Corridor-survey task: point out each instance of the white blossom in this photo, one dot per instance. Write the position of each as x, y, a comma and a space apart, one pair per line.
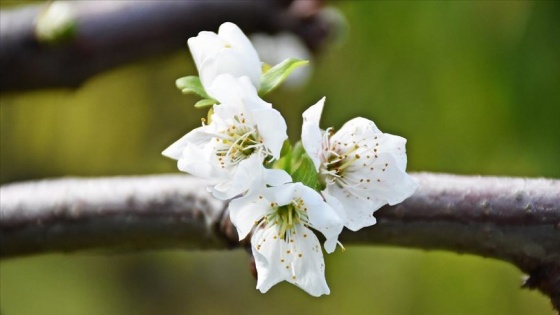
283, 244
361, 167
227, 52
244, 132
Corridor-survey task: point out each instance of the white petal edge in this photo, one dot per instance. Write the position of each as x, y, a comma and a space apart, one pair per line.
311, 134
321, 216
306, 272
245, 212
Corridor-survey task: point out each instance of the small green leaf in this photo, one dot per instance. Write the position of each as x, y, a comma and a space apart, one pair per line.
285, 160
297, 152
277, 74
298, 164
286, 148
191, 84
305, 173
205, 103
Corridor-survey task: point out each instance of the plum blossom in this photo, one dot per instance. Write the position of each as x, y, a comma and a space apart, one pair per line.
353, 171
243, 133
360, 167
227, 52
283, 244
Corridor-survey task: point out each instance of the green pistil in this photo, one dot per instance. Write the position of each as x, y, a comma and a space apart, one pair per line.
247, 145
238, 145
337, 164
287, 216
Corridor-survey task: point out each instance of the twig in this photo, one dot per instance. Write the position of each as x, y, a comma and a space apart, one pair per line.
112, 33
512, 219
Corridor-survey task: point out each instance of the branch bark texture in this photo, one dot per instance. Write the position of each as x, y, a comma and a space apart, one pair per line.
112, 33
511, 219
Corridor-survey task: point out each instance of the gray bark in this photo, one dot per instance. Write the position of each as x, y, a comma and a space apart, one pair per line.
511, 219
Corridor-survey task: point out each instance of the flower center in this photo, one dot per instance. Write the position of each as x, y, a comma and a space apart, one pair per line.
336, 158
351, 163
289, 220
238, 142
287, 217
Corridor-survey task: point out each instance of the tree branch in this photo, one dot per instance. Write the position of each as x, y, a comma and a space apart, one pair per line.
112, 33
511, 219
126, 213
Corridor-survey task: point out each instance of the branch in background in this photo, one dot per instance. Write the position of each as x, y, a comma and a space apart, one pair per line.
511, 219
112, 33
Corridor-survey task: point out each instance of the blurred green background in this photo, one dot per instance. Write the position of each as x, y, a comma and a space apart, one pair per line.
473, 86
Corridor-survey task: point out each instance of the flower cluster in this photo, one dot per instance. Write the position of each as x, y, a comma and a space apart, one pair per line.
282, 195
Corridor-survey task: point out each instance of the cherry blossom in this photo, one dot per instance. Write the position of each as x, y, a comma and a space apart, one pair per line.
244, 131
227, 52
283, 244
360, 167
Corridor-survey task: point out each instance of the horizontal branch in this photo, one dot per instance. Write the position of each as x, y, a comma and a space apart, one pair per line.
128, 213
511, 219
111, 33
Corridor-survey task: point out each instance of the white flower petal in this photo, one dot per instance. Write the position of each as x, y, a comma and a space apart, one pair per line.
335, 204
282, 195
359, 126
311, 134
208, 71
283, 244
359, 211
395, 146
272, 128
249, 175
233, 34
268, 258
228, 89
175, 151
203, 46
250, 178
310, 271
275, 177
198, 162
244, 132
300, 263
244, 213
228, 52
322, 217
243, 96
393, 185
362, 167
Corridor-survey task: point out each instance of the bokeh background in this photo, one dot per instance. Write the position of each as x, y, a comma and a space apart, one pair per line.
473, 86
